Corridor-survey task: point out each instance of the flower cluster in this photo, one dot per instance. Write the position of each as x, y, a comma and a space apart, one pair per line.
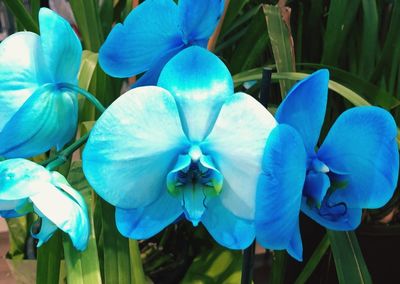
184, 144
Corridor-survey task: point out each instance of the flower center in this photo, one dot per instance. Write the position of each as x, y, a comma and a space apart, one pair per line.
318, 166
193, 180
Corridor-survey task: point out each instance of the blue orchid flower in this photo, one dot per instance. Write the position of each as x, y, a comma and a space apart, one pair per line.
187, 146
36, 113
355, 167
153, 33
28, 187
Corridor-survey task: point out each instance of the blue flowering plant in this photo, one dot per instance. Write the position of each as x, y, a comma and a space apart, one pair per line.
39, 111
148, 39
181, 146
28, 187
355, 167
175, 149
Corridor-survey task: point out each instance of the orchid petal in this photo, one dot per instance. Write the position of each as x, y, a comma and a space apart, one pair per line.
304, 108
146, 139
316, 186
62, 50
133, 47
48, 118
279, 191
19, 179
329, 216
200, 83
15, 208
227, 229
239, 157
295, 246
145, 222
10, 214
64, 213
46, 231
362, 143
198, 19
20, 56
150, 78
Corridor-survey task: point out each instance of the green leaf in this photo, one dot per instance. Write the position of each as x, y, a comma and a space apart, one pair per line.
372, 93
252, 45
120, 256
345, 92
35, 7
278, 269
236, 31
369, 44
341, 16
235, 7
82, 267
49, 260
137, 273
18, 229
392, 41
349, 261
314, 260
218, 265
107, 15
88, 67
23, 16
86, 14
282, 43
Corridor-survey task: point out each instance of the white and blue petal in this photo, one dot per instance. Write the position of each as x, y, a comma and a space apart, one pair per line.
198, 19
20, 178
236, 145
304, 108
200, 84
279, 191
61, 210
362, 144
48, 118
62, 50
145, 36
226, 228
133, 146
144, 222
21, 71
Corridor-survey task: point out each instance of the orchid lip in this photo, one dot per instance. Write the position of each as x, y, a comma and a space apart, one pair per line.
194, 179
319, 166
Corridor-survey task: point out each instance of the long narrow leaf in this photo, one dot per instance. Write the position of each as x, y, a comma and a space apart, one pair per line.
82, 267
86, 72
282, 43
23, 16
349, 261
49, 260
117, 268
252, 45
345, 92
314, 260
86, 13
341, 16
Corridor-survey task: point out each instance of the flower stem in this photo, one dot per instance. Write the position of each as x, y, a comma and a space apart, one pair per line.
248, 263
84, 93
63, 156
